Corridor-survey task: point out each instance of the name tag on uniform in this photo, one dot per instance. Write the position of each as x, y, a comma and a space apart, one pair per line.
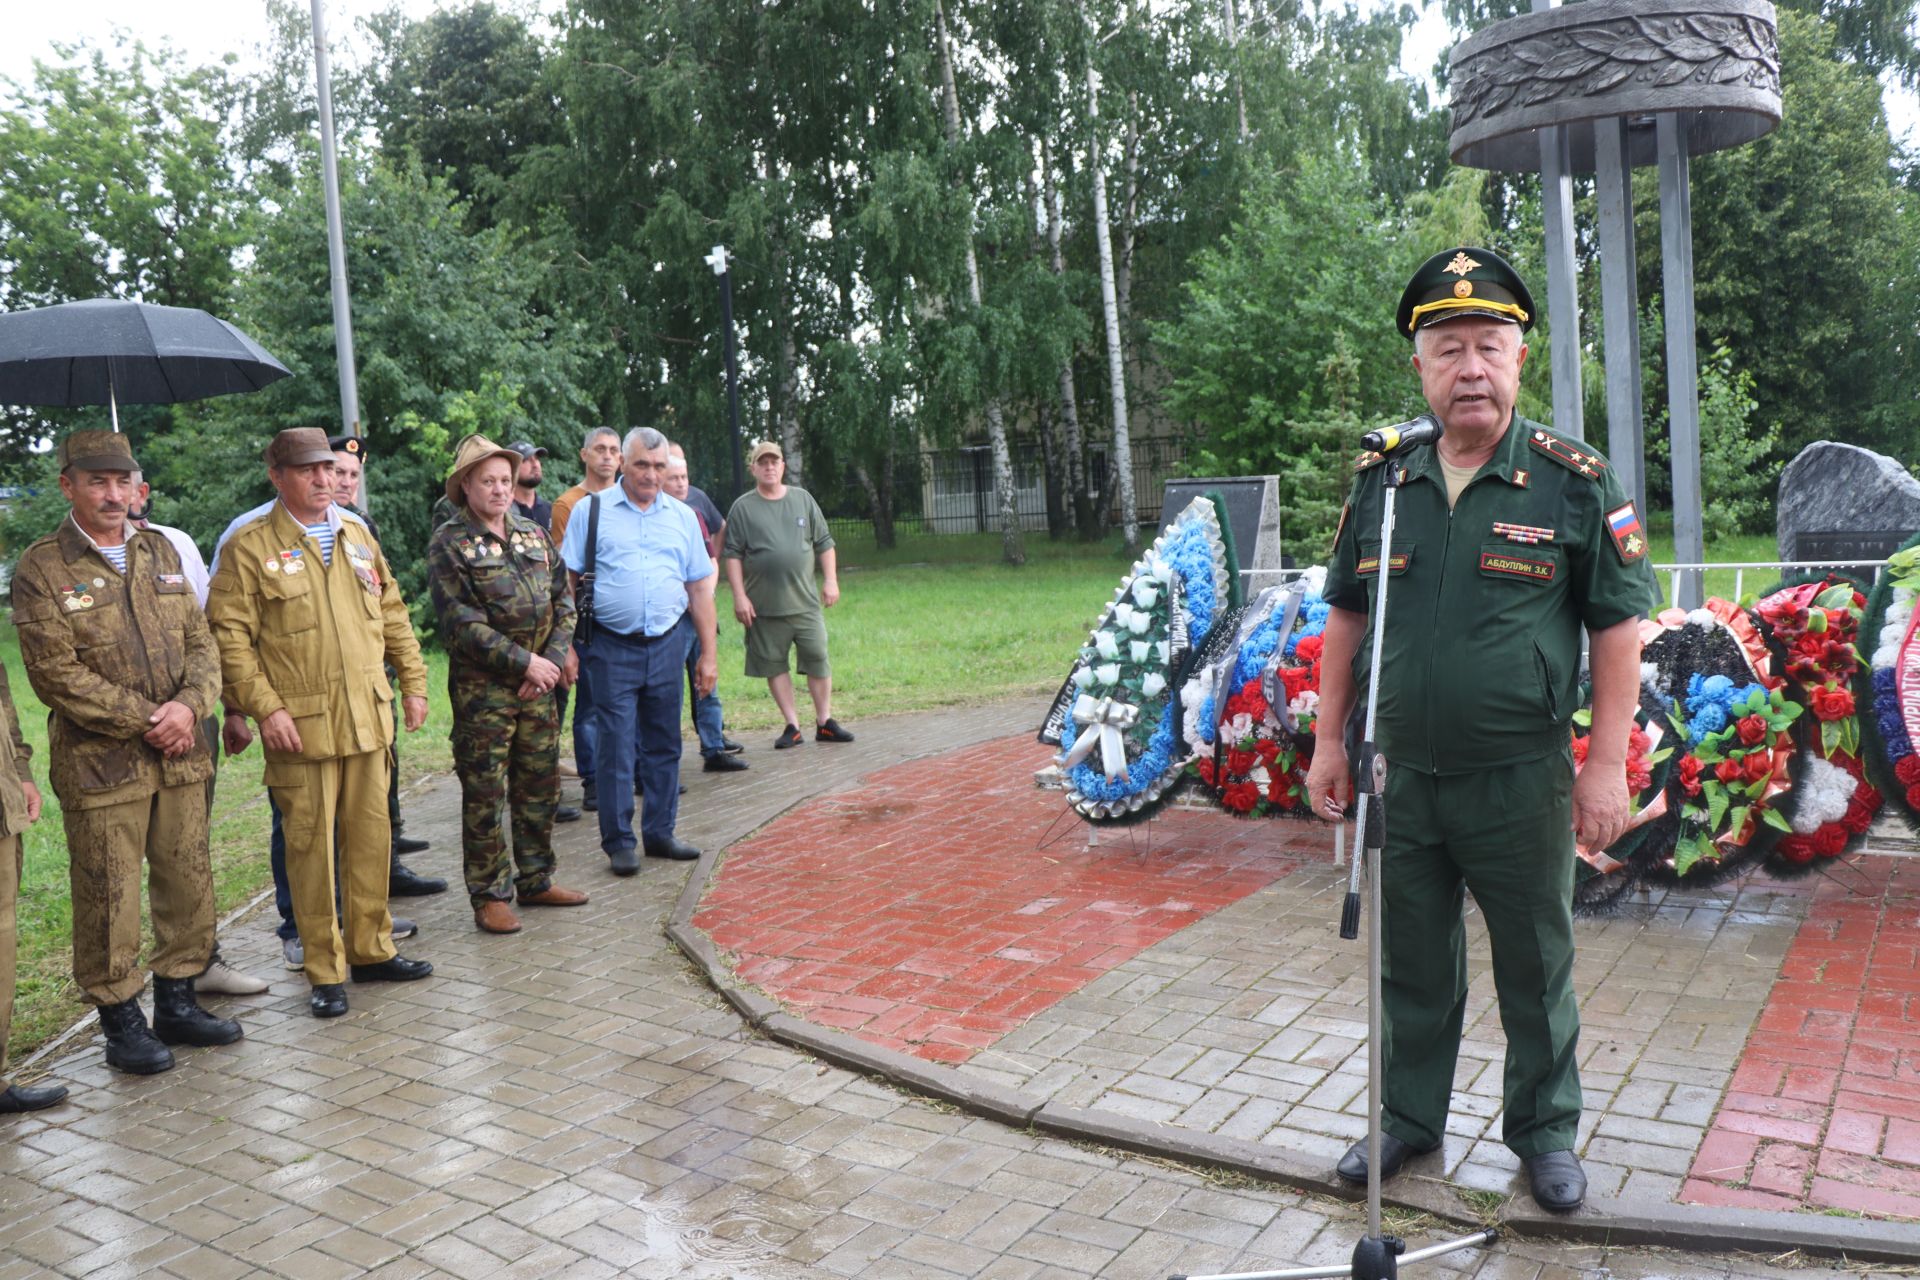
174, 579
1518, 566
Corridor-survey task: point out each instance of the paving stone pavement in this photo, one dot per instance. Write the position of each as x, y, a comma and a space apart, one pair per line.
574, 1101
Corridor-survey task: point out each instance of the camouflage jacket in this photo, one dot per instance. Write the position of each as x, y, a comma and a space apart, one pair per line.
499, 600
14, 755
104, 650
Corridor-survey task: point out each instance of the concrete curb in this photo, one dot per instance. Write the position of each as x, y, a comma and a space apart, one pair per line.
1602, 1220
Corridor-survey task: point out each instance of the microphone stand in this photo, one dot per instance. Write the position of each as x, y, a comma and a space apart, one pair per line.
1376, 1256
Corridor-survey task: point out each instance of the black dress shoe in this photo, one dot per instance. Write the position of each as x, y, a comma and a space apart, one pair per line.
329, 1000
723, 764
624, 862
1559, 1183
731, 747
671, 848
407, 844
22, 1097
589, 803
1393, 1154
398, 969
566, 813
403, 883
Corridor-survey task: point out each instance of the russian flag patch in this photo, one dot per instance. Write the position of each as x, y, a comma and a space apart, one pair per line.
1624, 524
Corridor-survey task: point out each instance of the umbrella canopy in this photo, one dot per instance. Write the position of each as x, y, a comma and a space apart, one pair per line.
108, 350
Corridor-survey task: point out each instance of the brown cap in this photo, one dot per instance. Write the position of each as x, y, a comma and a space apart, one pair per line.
298, 447
763, 449
97, 451
473, 451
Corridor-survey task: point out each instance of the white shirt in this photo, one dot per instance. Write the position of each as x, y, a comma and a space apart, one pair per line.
190, 562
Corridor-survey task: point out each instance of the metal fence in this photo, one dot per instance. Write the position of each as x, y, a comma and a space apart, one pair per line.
953, 492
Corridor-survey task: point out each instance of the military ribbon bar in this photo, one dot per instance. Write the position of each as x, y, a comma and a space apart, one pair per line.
1525, 533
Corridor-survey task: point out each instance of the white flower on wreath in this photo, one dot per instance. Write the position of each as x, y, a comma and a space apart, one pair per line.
1166, 650
1240, 726
1139, 622
1123, 615
1107, 644
1139, 649
1146, 591
1702, 618
1304, 705
1152, 684
1193, 697
1106, 674
1824, 790
1083, 675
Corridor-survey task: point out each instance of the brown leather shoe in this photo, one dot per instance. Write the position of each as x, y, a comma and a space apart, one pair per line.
495, 916
554, 896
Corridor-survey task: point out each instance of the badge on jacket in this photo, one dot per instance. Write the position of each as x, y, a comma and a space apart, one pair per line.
1624, 524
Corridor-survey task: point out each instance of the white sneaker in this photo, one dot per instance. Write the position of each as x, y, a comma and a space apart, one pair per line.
221, 979
294, 954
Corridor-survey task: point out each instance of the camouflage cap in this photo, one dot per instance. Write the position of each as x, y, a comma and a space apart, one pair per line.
473, 451
1464, 282
297, 447
97, 451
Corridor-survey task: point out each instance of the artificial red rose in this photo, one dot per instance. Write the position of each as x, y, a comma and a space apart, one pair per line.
1797, 850
1829, 840
1728, 771
1859, 815
1757, 767
1204, 767
1908, 769
1753, 730
1638, 779
1239, 763
1809, 647
1308, 650
1579, 751
1782, 740
1266, 749
1913, 796
1869, 795
1638, 741
1240, 797
1690, 775
1296, 680
1832, 703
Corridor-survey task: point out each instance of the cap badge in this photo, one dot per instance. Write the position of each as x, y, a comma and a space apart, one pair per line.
1461, 264
1463, 288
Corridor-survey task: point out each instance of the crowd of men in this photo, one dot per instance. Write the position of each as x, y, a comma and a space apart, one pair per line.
299, 634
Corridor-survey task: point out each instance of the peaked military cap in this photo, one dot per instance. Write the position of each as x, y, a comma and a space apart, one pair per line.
96, 451
1464, 282
348, 444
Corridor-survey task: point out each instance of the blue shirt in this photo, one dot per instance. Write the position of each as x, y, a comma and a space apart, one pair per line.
643, 560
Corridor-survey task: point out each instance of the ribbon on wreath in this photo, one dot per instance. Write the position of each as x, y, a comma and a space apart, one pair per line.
1103, 722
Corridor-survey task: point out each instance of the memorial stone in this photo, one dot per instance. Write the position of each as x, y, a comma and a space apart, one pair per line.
1844, 504
1252, 513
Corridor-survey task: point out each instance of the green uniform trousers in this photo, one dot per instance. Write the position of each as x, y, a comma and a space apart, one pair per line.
1506, 834
12, 854
105, 846
507, 754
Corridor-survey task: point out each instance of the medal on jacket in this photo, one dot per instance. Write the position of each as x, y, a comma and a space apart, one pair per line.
1522, 533
77, 597
292, 562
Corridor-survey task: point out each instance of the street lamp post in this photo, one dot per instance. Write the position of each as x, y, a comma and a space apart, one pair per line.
718, 261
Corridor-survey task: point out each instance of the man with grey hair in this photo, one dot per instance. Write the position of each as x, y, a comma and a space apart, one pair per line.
599, 468
652, 599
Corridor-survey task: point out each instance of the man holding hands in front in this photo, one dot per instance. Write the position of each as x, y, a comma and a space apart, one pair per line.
306, 612
1508, 540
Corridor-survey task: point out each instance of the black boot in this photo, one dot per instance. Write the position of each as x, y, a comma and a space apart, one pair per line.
407, 844
179, 1019
403, 883
130, 1046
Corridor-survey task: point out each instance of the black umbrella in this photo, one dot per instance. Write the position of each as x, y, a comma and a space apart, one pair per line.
109, 350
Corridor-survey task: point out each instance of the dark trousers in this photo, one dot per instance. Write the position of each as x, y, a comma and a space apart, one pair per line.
1506, 834
586, 727
636, 692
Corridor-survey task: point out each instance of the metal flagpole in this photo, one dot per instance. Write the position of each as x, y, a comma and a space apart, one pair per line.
336, 244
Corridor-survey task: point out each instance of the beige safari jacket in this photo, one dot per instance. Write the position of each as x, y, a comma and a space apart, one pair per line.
14, 755
310, 638
103, 650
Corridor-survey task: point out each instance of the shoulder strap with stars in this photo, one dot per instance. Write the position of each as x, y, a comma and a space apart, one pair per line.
1567, 453
1367, 460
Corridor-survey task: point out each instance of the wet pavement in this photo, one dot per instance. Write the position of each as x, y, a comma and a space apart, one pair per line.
575, 1100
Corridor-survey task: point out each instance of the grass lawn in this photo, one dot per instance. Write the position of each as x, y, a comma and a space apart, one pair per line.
937, 621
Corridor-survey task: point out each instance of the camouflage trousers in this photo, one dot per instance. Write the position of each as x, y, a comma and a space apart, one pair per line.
507, 755
12, 852
105, 847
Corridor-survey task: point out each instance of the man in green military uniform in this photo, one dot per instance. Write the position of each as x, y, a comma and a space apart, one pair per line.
115, 644
1508, 539
506, 619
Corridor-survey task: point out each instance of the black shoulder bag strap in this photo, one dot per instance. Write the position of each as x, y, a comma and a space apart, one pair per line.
583, 595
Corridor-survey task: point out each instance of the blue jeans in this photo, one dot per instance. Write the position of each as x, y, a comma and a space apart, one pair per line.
636, 688
706, 711
277, 859
586, 725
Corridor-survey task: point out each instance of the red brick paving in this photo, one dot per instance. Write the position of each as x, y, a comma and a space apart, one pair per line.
944, 902
1824, 1108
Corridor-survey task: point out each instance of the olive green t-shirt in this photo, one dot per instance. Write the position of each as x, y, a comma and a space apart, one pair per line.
776, 540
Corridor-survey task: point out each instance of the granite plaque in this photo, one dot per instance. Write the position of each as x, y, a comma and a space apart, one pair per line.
1844, 491
1252, 515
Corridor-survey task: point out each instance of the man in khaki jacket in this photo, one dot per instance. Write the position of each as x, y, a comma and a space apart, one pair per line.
19, 809
115, 645
305, 612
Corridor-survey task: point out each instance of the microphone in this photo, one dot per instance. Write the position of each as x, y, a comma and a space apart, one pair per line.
1424, 429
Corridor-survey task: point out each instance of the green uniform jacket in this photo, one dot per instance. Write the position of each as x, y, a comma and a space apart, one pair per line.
1480, 667
14, 769
499, 601
103, 650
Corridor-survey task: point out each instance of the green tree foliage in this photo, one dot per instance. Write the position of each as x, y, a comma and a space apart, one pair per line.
1737, 478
